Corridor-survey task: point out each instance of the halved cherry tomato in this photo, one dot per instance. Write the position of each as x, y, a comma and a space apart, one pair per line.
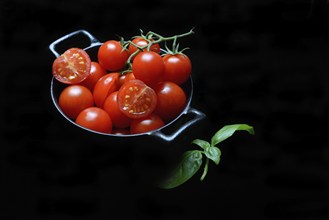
146, 124
141, 42
95, 119
178, 68
148, 66
136, 99
119, 120
73, 99
104, 87
171, 100
72, 67
112, 56
96, 72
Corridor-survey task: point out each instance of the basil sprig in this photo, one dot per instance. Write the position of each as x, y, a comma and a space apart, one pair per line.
192, 159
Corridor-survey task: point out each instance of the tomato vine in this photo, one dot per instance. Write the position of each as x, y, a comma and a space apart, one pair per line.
153, 38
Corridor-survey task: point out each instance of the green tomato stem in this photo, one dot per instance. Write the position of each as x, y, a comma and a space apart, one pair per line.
159, 38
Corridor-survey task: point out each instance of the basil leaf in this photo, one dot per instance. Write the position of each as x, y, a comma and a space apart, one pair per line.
213, 153
203, 144
228, 130
187, 167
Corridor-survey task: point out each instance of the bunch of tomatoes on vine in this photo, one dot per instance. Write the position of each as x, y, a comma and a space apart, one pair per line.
134, 86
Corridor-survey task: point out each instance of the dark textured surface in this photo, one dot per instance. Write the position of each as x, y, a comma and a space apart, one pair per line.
264, 63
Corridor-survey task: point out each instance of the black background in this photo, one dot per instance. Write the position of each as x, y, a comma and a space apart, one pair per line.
264, 63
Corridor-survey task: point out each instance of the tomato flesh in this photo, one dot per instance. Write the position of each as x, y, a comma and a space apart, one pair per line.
72, 67
136, 99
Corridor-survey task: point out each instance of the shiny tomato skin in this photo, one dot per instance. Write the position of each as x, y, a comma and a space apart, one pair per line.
141, 42
95, 119
72, 67
119, 120
104, 87
136, 99
178, 68
149, 123
73, 99
171, 100
148, 66
120, 131
112, 56
96, 72
126, 77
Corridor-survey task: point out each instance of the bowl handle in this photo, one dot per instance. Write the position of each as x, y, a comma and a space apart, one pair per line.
197, 116
93, 40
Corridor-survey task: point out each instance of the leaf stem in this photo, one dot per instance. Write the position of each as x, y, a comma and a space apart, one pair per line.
205, 170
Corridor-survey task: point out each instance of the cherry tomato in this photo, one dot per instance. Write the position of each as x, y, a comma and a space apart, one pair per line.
120, 131
95, 119
96, 72
72, 67
104, 87
126, 77
141, 42
119, 120
178, 68
148, 66
112, 56
73, 99
171, 100
136, 99
146, 124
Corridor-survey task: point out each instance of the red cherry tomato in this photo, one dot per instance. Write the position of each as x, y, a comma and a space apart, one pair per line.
136, 99
171, 100
72, 67
141, 42
112, 56
104, 87
96, 72
126, 77
120, 131
95, 119
148, 66
119, 120
146, 124
73, 99
178, 68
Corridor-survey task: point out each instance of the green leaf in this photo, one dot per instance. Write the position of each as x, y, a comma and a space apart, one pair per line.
187, 167
228, 130
213, 153
203, 144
